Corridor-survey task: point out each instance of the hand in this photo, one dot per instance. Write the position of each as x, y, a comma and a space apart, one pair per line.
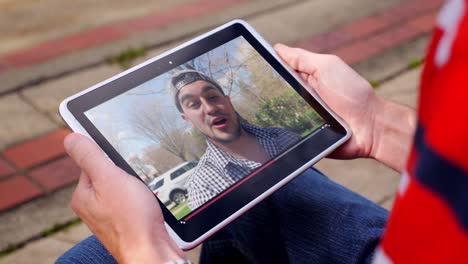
343, 90
381, 129
118, 208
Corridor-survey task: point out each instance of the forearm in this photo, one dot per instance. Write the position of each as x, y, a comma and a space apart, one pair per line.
394, 126
160, 251
152, 256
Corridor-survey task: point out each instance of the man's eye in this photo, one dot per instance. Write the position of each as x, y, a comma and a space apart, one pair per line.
193, 105
213, 97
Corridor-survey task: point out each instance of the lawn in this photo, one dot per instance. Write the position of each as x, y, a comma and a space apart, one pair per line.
181, 210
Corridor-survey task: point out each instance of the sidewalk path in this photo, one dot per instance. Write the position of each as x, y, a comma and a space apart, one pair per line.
380, 39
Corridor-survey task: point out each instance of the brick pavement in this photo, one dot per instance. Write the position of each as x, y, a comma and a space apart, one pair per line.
37, 167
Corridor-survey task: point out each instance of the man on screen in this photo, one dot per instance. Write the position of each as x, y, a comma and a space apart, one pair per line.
235, 148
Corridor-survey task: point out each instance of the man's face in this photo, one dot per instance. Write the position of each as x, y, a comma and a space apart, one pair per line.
207, 109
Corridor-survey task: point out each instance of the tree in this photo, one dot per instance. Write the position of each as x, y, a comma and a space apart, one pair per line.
288, 111
152, 122
145, 171
160, 158
257, 82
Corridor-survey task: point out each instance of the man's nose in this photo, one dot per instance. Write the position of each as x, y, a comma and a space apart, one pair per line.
209, 107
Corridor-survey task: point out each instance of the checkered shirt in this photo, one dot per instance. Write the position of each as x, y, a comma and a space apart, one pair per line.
217, 170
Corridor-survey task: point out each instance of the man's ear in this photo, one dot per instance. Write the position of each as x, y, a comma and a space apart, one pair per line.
186, 119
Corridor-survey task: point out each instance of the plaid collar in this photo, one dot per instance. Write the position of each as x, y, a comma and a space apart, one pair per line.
266, 138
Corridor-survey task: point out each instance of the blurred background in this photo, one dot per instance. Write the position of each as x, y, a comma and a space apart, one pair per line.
52, 49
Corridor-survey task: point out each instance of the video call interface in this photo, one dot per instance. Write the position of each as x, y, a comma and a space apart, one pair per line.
186, 156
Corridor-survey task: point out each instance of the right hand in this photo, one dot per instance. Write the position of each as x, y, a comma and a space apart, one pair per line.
344, 91
118, 208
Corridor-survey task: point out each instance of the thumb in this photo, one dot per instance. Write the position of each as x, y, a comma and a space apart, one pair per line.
89, 157
299, 59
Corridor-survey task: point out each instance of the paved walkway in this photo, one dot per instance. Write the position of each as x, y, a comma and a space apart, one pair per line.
383, 40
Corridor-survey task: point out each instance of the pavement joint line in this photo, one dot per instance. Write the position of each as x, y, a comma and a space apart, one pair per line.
38, 110
17, 172
385, 198
149, 48
374, 34
24, 173
41, 164
11, 248
45, 192
14, 152
395, 74
33, 182
8, 177
52, 77
11, 164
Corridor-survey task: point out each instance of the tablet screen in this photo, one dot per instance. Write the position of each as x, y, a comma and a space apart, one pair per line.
184, 132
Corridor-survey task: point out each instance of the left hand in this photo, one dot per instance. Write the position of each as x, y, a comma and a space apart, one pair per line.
382, 130
118, 208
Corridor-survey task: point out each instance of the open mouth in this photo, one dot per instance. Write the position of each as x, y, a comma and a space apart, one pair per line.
219, 122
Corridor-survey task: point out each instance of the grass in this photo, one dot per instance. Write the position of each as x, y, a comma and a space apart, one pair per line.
412, 64
8, 250
186, 210
181, 209
177, 207
415, 63
375, 84
125, 58
60, 227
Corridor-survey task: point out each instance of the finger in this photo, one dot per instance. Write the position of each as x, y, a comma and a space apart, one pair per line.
304, 76
89, 157
299, 59
82, 195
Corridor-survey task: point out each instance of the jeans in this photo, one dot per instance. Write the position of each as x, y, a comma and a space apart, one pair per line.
310, 220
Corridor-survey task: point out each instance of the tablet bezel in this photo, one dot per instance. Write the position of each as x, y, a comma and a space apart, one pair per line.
237, 200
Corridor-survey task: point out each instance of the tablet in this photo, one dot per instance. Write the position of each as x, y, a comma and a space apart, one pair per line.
212, 127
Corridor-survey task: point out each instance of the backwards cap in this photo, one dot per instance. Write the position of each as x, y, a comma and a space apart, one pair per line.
186, 77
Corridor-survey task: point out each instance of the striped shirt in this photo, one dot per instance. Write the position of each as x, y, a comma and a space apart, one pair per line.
218, 170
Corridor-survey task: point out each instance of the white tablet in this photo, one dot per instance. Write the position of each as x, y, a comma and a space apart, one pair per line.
212, 127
